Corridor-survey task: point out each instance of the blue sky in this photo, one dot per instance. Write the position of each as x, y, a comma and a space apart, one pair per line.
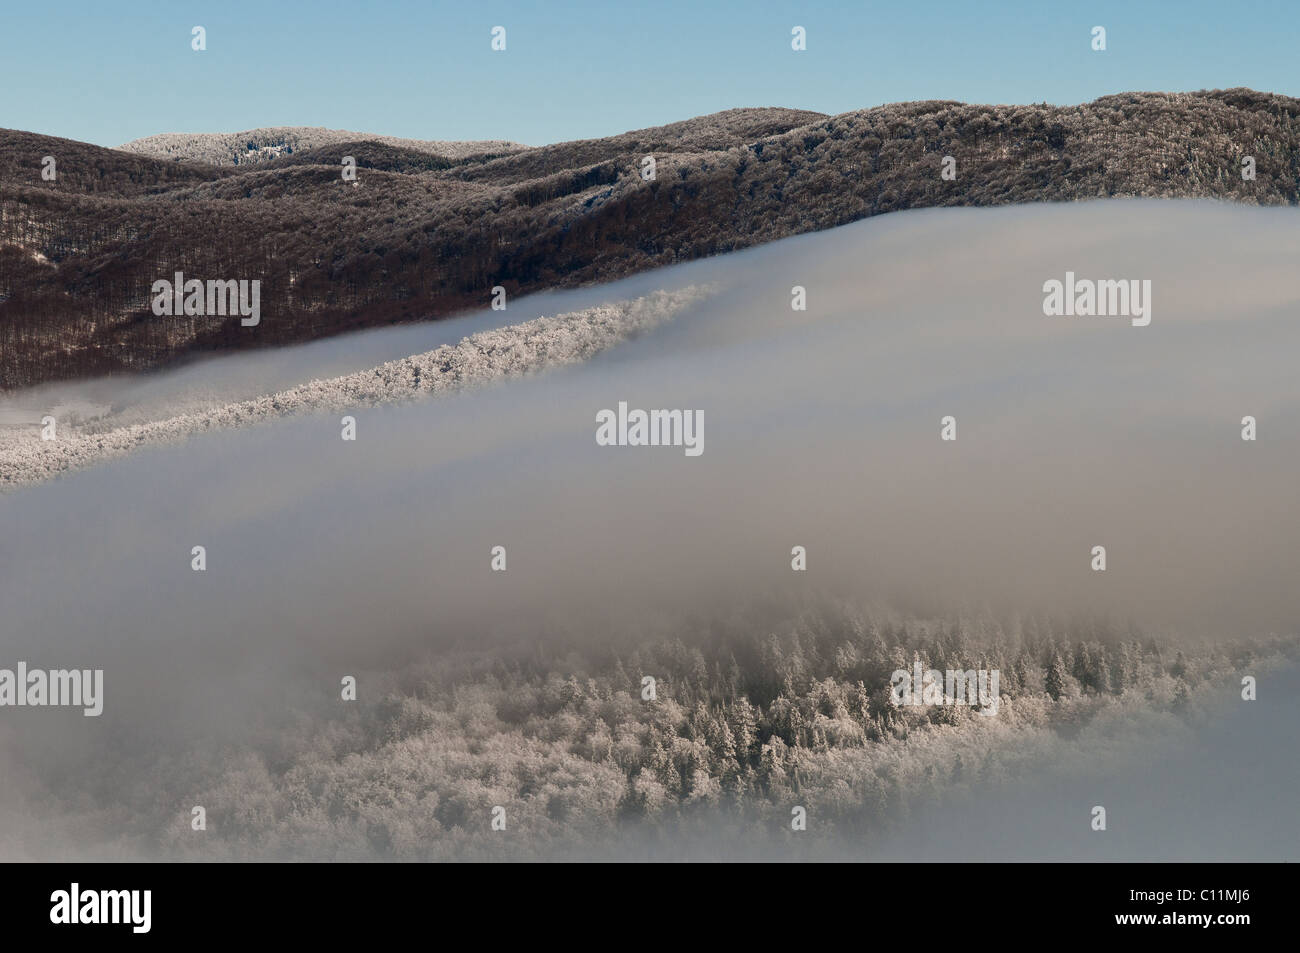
109, 71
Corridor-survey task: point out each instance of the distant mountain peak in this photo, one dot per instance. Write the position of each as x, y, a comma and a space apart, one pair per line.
256, 146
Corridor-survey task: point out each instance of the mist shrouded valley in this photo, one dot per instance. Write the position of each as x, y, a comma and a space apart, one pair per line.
820, 429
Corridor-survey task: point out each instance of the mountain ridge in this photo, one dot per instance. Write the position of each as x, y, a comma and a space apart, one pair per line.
264, 144
420, 235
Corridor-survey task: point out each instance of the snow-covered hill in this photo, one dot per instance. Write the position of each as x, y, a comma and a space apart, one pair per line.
254, 146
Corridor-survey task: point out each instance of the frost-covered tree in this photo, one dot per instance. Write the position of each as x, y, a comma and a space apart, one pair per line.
1056, 682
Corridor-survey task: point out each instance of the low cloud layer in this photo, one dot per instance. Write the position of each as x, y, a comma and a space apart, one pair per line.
823, 431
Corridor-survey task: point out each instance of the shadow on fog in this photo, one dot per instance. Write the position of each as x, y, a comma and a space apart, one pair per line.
821, 429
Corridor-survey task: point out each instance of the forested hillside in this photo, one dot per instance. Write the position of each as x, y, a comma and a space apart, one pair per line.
421, 235
743, 725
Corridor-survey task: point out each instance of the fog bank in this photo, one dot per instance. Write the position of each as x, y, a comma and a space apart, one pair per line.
821, 429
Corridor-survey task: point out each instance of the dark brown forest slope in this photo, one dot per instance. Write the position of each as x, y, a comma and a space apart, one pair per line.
424, 235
